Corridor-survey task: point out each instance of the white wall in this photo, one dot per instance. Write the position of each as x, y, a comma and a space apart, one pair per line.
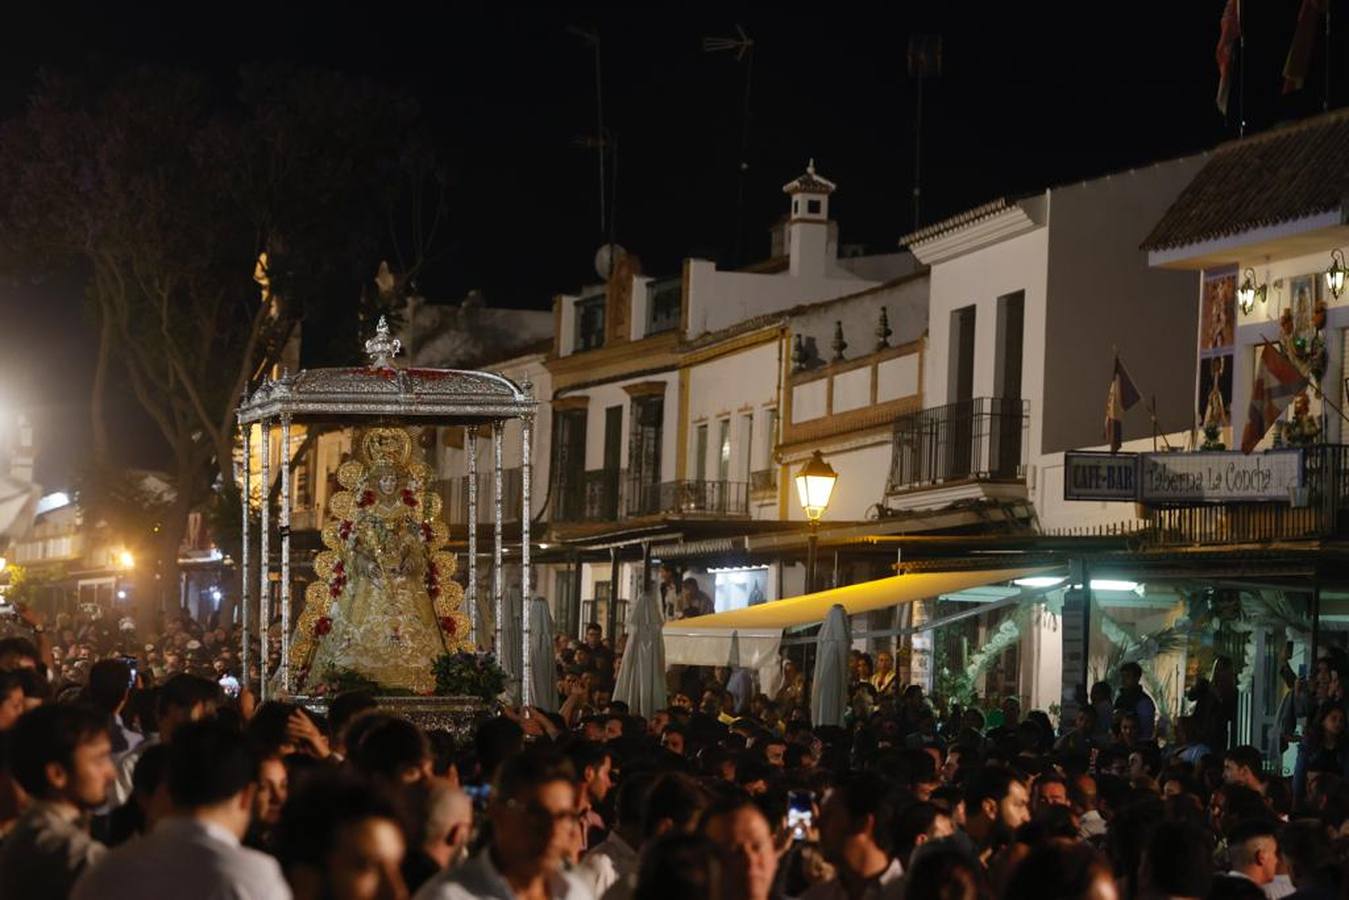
862, 472
603, 396
733, 386
451, 462
979, 279
718, 299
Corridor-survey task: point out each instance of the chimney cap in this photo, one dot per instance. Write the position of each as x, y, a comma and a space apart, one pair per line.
809, 183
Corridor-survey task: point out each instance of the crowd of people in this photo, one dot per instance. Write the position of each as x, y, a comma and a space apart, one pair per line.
160, 781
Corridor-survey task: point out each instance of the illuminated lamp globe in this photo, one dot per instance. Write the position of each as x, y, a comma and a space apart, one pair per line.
126, 560
1336, 273
814, 485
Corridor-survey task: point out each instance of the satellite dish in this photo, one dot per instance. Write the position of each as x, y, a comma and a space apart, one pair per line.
607, 258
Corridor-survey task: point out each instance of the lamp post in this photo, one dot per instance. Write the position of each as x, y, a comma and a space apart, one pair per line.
814, 485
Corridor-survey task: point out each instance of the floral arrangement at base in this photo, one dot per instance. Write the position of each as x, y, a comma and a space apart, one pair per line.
339, 681
468, 674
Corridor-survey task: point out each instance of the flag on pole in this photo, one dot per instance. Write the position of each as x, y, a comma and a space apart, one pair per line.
1277, 382
1228, 34
1121, 397
1310, 17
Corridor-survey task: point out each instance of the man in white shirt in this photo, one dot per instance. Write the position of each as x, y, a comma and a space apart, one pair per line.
615, 858
856, 834
212, 781
1254, 850
534, 822
182, 699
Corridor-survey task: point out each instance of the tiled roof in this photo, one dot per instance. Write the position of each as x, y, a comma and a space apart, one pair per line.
954, 223
1264, 180
809, 183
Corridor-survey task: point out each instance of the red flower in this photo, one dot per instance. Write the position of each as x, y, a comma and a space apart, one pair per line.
433, 592
447, 624
335, 590
427, 533
408, 499
367, 499
323, 626
344, 530
340, 569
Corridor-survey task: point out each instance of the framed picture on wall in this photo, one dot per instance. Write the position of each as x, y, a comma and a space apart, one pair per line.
1215, 389
1303, 292
1218, 313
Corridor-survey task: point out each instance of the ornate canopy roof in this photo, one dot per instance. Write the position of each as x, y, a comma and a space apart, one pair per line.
382, 391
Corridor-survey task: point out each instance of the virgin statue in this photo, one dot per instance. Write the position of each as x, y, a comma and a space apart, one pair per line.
384, 606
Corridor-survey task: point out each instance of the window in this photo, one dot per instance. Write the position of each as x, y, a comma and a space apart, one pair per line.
813, 207
796, 207
568, 469
590, 323
662, 305
770, 437
644, 439
961, 385
1011, 332
724, 450
746, 445
700, 454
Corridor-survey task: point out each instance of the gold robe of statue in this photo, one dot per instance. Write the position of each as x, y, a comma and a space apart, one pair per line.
385, 605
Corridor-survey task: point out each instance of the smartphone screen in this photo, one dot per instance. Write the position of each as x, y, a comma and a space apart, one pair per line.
800, 813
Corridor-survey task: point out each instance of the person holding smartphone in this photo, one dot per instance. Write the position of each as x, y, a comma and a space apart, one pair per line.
857, 837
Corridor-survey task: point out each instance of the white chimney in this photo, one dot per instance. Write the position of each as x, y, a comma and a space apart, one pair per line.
808, 245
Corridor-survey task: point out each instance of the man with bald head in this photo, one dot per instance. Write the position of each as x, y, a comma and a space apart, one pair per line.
443, 815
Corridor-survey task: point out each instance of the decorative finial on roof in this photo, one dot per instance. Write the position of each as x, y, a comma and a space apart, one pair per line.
809, 182
383, 346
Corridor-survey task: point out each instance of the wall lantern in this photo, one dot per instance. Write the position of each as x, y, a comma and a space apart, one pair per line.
1335, 274
1250, 291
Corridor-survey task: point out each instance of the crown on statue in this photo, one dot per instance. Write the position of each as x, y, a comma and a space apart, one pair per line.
387, 447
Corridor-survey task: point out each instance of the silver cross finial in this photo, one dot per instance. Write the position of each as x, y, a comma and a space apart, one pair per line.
383, 346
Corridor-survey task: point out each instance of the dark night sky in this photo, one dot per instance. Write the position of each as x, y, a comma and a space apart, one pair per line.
1029, 98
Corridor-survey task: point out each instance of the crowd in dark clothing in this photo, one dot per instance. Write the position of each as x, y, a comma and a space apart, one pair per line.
136, 785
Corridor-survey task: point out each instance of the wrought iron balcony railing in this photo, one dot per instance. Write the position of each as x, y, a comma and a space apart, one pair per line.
1322, 510
984, 438
714, 498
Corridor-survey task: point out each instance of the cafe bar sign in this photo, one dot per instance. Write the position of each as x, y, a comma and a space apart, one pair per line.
1275, 476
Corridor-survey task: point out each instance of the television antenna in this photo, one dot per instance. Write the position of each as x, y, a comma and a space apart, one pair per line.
742, 45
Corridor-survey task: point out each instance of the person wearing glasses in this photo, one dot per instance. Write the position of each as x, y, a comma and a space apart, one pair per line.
534, 822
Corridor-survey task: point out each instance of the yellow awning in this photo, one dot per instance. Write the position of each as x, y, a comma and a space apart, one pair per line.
856, 598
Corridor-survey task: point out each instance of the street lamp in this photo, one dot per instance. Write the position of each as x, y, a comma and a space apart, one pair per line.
126, 561
814, 485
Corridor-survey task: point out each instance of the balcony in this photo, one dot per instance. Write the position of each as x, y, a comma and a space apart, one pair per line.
454, 495
983, 439
1324, 514
690, 498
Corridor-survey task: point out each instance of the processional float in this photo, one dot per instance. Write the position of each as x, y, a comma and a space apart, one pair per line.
385, 572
